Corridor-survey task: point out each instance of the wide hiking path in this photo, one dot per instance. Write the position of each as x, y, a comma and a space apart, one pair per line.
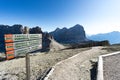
78, 67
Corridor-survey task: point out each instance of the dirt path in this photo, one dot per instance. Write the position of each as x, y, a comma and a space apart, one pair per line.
15, 69
78, 67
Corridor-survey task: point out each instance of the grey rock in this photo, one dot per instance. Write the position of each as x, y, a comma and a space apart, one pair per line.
94, 60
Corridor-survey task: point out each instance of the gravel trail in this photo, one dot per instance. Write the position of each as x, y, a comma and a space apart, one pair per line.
77, 67
39, 62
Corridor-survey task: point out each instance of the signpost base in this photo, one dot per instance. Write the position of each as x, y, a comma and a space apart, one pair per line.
27, 66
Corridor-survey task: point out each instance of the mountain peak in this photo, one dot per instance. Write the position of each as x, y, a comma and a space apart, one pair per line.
57, 29
78, 25
64, 28
75, 34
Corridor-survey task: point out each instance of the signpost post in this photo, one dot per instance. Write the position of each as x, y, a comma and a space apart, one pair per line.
27, 66
27, 58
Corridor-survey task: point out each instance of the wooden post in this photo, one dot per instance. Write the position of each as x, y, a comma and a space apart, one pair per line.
27, 66
26, 31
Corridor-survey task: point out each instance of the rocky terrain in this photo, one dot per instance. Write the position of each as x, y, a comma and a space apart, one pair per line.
39, 62
81, 66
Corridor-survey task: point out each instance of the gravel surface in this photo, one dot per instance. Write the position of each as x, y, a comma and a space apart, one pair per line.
111, 67
39, 62
79, 67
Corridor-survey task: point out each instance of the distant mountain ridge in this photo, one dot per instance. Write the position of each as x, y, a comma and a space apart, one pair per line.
113, 37
75, 34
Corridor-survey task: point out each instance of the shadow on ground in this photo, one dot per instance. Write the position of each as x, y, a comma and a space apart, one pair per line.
93, 72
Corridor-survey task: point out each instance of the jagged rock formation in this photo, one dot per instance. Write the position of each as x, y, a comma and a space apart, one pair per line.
75, 34
35, 30
46, 42
49, 44
5, 29
76, 37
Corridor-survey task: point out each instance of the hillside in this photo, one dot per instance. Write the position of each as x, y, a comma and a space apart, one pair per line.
113, 37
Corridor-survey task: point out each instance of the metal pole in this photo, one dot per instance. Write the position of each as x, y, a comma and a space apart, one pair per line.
27, 66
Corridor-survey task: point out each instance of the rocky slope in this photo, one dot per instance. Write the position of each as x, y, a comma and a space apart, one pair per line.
39, 62
49, 44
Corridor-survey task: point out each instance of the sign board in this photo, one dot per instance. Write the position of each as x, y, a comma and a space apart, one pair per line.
20, 44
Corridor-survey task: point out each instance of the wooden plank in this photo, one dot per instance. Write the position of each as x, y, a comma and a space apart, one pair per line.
9, 46
8, 38
24, 44
35, 36
23, 51
35, 42
10, 55
15, 37
17, 45
21, 37
34, 48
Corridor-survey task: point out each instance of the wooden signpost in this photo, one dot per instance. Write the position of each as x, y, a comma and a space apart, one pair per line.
21, 45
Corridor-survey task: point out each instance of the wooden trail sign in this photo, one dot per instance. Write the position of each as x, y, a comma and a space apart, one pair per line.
20, 44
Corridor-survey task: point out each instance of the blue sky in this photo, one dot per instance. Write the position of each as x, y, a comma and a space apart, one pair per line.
97, 16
